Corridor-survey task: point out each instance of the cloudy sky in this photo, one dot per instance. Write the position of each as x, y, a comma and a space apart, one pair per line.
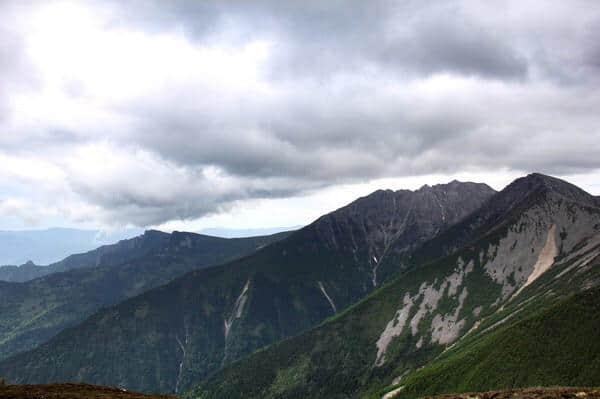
189, 114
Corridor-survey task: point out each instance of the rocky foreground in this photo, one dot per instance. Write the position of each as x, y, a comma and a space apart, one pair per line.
70, 391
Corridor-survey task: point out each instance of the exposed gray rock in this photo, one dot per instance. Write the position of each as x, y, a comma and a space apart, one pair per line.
445, 329
393, 329
390, 222
541, 233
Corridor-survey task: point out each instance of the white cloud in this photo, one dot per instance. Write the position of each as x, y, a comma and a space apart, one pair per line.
190, 114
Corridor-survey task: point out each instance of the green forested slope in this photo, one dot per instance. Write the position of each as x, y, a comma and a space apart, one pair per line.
558, 346
170, 337
34, 311
480, 288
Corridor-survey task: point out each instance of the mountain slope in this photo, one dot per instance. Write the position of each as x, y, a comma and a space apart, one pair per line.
395, 224
559, 346
175, 335
34, 311
539, 240
529, 393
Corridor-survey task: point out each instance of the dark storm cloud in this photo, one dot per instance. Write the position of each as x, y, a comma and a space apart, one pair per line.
349, 91
316, 38
591, 47
445, 41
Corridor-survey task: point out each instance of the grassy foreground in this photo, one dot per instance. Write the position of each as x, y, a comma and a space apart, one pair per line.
558, 347
529, 393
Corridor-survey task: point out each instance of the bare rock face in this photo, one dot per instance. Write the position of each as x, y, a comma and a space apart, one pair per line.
390, 223
535, 223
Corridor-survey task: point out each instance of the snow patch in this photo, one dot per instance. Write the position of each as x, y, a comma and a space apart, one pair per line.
374, 279
238, 308
322, 288
183, 354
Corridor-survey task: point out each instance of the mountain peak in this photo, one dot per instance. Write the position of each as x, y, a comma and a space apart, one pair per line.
392, 223
546, 179
455, 185
550, 185
152, 232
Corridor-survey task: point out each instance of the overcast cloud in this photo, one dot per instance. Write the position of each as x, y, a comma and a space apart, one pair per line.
151, 112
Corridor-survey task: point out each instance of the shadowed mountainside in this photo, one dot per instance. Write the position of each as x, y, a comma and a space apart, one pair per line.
171, 337
113, 254
533, 244
34, 311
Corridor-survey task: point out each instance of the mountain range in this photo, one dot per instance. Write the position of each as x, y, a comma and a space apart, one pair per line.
211, 317
449, 288
34, 311
527, 249
110, 254
50, 245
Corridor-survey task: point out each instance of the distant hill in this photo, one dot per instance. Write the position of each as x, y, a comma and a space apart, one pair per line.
43, 247
110, 254
34, 311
